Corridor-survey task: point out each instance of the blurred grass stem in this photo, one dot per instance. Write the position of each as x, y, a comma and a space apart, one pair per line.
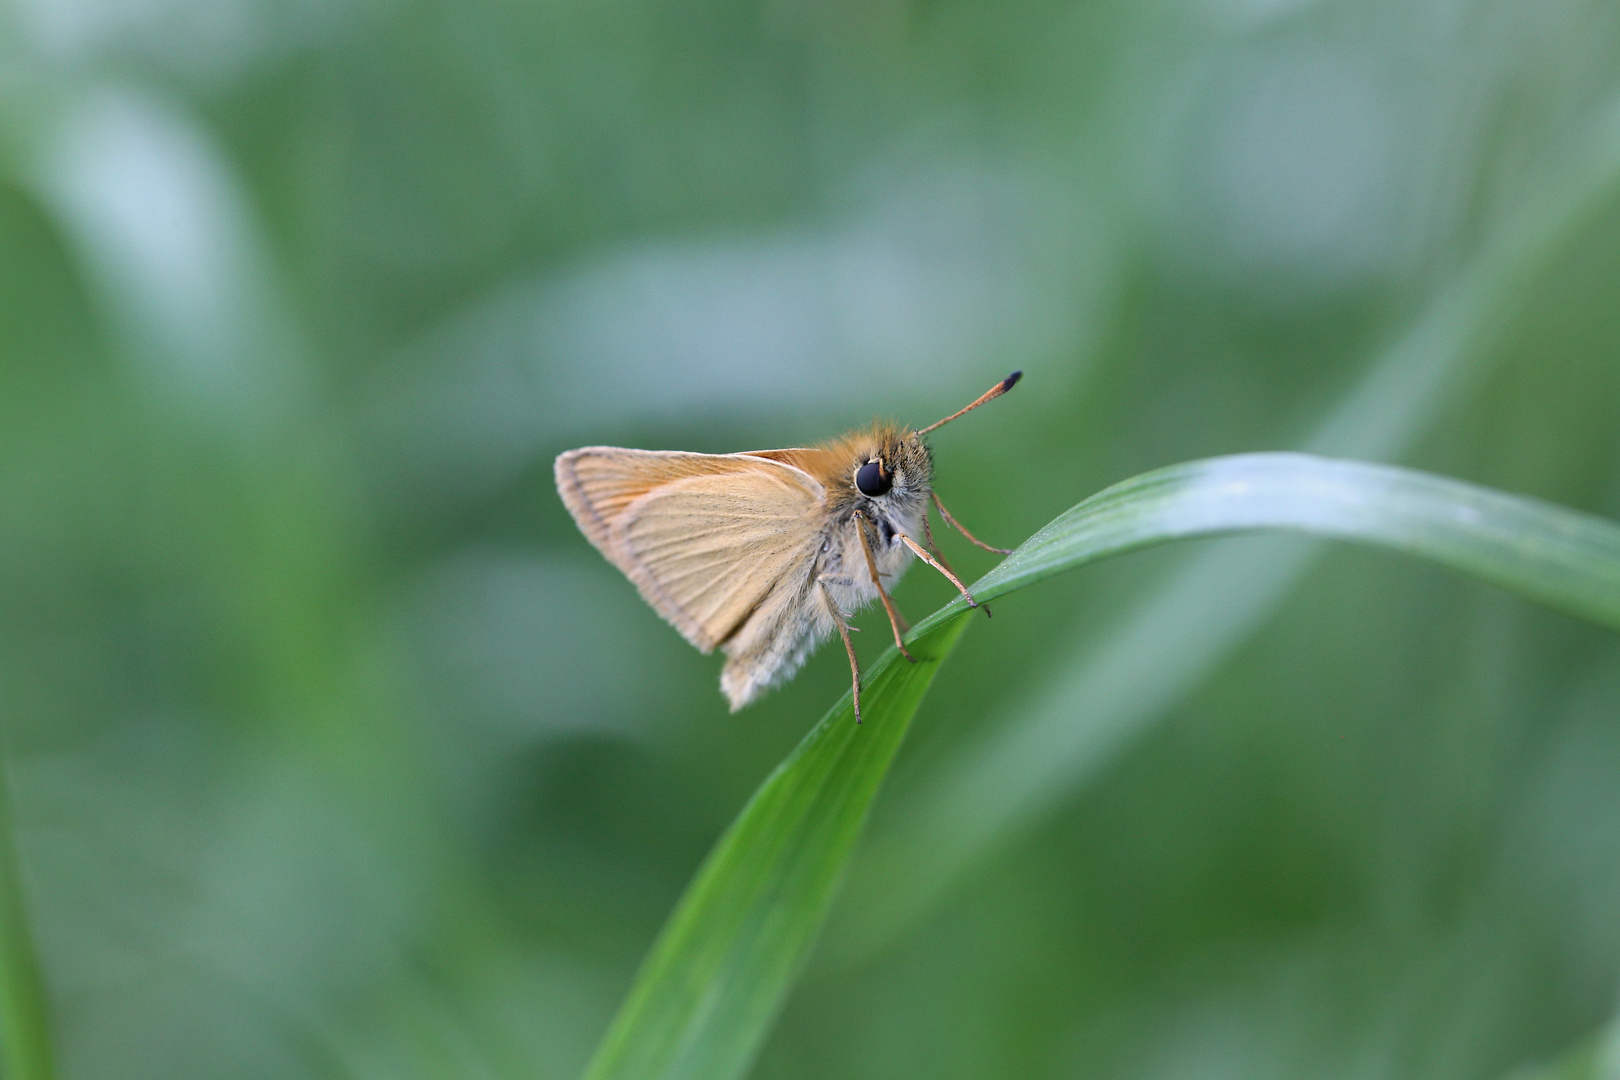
25, 1044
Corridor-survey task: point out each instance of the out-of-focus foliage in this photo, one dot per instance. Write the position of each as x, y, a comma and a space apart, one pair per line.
336, 752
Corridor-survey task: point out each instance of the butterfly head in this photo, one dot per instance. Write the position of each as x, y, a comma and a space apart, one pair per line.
887, 465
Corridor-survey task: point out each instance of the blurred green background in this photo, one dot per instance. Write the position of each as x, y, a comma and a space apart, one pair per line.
337, 752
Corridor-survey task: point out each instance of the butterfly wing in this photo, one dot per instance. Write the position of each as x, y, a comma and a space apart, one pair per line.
705, 537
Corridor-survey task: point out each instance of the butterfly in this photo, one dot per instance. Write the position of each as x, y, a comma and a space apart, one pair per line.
766, 554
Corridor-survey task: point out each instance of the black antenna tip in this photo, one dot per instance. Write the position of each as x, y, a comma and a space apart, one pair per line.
1011, 381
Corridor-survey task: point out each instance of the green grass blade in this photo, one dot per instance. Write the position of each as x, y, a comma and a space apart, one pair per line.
1563, 558
709, 990
25, 1045
707, 994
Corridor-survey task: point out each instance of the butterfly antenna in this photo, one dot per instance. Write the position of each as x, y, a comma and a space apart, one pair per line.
989, 395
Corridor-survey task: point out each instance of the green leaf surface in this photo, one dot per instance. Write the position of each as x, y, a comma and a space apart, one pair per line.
708, 992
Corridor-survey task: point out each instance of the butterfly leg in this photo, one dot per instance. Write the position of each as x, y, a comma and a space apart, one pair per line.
946, 514
888, 605
928, 541
843, 632
931, 561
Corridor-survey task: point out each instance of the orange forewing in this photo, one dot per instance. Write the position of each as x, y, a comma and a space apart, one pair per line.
705, 537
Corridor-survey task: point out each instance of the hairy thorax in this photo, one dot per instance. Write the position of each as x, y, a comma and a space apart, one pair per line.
908, 471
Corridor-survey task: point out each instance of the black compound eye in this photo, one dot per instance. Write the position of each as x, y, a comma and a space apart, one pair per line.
872, 479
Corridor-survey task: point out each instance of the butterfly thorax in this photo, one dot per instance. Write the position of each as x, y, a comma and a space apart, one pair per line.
904, 471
